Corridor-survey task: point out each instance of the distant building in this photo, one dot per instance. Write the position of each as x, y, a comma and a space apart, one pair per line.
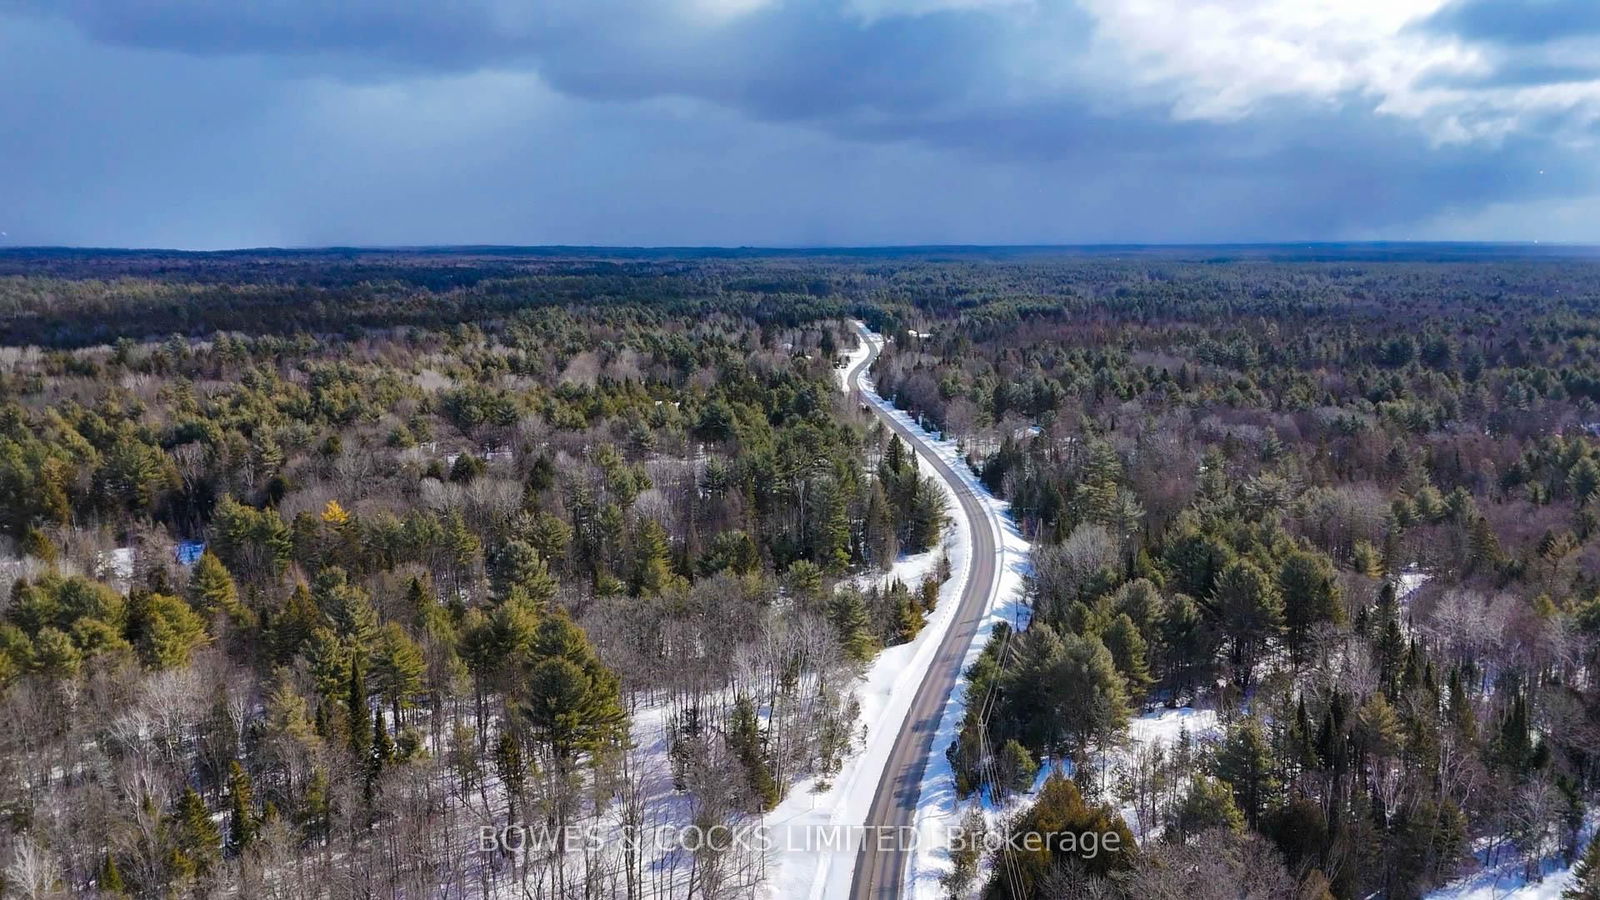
189, 552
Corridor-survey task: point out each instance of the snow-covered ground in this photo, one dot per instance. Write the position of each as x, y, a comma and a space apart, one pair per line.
1497, 884
1163, 727
1507, 880
1408, 582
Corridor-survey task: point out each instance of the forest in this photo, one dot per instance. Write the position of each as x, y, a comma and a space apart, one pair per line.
315, 563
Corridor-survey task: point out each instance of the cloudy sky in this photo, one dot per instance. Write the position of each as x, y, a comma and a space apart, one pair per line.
205, 124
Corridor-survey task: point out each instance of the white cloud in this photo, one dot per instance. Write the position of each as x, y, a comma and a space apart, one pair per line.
1563, 111
1223, 59
1230, 60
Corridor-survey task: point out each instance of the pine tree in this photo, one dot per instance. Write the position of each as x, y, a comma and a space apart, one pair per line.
462, 544
1332, 746
508, 765
542, 474
1310, 593
1251, 612
211, 587
294, 625
926, 515
746, 743
1586, 875
1189, 642
334, 514
1245, 763
652, 566
1196, 560
109, 882
1391, 644
1129, 650
356, 711
382, 744
804, 581
164, 629
1366, 559
830, 526
11, 647
1142, 602
1303, 738
288, 714
241, 811
1016, 766
1483, 544
421, 600
847, 613
1066, 691
908, 615
37, 544
1209, 803
965, 855
316, 809
54, 654
894, 458
329, 660
518, 571
1583, 480
194, 836
1059, 809
1100, 484
878, 531
928, 593
1379, 727
347, 609
398, 669
573, 701
1514, 743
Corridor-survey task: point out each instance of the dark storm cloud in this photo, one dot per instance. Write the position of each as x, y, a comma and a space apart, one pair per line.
624, 121
791, 60
447, 36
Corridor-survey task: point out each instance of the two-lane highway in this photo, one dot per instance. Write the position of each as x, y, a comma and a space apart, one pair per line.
881, 873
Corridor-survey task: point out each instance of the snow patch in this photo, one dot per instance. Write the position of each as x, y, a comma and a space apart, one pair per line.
1508, 880
1162, 728
1408, 582
116, 566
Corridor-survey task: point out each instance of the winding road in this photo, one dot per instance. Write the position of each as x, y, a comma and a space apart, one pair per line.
881, 871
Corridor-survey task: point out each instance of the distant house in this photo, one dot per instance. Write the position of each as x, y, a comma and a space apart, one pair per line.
189, 552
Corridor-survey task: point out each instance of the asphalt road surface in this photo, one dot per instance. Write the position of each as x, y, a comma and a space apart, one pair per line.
881, 873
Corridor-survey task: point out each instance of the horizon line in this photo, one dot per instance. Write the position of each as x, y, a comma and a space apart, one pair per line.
808, 248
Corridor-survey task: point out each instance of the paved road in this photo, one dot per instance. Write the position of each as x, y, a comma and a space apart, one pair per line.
881, 873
